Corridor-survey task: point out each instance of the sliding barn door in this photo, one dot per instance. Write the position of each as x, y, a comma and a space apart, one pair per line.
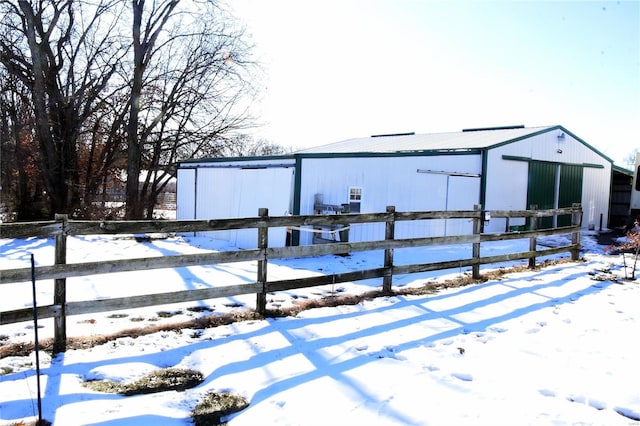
554, 185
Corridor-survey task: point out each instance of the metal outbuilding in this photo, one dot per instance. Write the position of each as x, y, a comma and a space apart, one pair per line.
501, 168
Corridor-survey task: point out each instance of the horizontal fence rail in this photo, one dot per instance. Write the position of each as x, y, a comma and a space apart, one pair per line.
62, 227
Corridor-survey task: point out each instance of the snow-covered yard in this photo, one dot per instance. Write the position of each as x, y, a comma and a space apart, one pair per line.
553, 346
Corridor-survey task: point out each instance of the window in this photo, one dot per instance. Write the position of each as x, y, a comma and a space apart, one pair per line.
355, 198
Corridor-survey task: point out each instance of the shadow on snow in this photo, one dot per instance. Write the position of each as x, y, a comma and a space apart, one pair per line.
313, 350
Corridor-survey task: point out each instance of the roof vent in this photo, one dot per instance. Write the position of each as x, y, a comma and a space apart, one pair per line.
479, 129
394, 134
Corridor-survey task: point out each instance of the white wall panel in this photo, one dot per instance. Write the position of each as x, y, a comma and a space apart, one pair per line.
463, 194
594, 204
262, 188
186, 194
506, 187
234, 192
386, 181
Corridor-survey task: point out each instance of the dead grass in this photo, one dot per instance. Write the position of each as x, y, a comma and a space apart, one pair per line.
24, 349
166, 379
208, 412
214, 406
86, 342
31, 423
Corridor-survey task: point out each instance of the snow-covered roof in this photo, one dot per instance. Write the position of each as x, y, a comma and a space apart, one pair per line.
410, 142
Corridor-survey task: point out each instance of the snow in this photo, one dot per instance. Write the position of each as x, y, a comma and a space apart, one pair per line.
552, 346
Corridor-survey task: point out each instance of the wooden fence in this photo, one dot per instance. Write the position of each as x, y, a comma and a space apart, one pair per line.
62, 227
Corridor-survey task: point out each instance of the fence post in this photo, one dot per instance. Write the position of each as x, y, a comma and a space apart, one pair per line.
389, 234
533, 241
263, 243
576, 220
477, 230
60, 289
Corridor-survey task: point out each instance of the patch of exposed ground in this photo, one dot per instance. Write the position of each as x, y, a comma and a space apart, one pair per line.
158, 381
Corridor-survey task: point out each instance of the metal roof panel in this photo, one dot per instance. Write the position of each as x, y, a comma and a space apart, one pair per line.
450, 141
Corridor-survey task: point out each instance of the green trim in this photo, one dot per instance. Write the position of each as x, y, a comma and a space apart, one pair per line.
247, 166
590, 165
240, 159
298, 156
297, 187
424, 153
481, 129
622, 170
528, 159
551, 129
586, 144
483, 179
516, 158
527, 136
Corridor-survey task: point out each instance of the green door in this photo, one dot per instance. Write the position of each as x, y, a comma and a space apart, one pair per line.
544, 189
570, 190
541, 189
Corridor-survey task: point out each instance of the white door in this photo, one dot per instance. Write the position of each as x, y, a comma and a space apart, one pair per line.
263, 188
463, 192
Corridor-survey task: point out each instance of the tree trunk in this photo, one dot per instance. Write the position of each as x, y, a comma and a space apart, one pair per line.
134, 210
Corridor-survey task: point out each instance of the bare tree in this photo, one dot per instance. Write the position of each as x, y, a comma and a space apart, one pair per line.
187, 92
144, 37
20, 188
244, 145
102, 155
65, 56
104, 97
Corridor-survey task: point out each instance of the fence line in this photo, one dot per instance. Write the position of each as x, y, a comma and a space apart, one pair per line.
62, 227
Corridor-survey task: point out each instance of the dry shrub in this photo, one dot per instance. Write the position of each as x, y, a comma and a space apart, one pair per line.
632, 246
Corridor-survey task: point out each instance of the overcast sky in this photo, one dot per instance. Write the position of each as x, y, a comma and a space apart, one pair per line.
339, 69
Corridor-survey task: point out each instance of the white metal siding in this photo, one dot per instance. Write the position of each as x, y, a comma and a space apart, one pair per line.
594, 203
390, 181
506, 187
461, 185
215, 199
235, 193
186, 194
